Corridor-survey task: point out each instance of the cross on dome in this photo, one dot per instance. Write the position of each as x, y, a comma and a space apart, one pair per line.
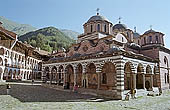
120, 18
97, 10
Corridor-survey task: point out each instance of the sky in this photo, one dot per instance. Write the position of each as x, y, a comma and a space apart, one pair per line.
72, 14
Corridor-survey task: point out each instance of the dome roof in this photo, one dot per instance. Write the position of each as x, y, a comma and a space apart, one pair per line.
149, 31
97, 18
136, 35
119, 26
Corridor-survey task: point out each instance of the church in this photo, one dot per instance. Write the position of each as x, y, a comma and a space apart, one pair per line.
107, 60
111, 59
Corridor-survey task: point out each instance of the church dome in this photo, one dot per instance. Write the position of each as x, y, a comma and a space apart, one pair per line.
119, 26
149, 31
97, 18
136, 35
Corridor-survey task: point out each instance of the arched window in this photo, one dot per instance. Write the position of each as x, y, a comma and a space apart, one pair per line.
144, 40
150, 39
91, 28
105, 28
157, 39
98, 27
122, 39
165, 78
138, 42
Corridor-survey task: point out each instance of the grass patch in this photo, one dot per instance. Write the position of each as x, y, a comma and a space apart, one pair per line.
139, 97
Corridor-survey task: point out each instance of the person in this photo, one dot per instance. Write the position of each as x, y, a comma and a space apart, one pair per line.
76, 88
8, 87
160, 90
133, 91
127, 97
32, 81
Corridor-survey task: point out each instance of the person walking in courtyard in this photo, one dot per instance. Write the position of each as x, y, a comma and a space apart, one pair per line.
133, 92
32, 81
8, 87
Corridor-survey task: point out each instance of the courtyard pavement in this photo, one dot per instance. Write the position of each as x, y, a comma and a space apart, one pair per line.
25, 96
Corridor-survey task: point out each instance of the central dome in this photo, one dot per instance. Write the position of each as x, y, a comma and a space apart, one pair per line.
97, 18
119, 26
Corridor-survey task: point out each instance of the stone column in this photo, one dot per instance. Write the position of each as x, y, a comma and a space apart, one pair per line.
99, 79
120, 78
152, 81
75, 75
144, 81
84, 76
134, 80
98, 71
50, 73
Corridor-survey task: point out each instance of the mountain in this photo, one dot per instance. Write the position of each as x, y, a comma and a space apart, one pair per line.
70, 33
49, 39
19, 29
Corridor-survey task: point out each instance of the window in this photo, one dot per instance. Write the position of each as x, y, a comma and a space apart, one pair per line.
98, 27
104, 78
165, 78
138, 42
157, 39
105, 28
91, 28
122, 39
144, 40
150, 39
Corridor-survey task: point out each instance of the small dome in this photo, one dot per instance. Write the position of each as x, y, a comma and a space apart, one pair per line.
149, 31
97, 18
119, 26
136, 35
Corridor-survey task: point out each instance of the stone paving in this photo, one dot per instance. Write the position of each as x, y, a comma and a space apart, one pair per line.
71, 101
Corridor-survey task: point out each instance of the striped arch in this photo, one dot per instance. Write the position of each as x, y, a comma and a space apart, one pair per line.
129, 70
108, 76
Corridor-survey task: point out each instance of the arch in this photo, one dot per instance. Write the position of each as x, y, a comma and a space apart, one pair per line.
10, 74
47, 70
148, 78
1, 61
69, 76
2, 51
155, 77
27, 75
60, 75
5, 75
14, 74
108, 76
53, 75
121, 36
40, 66
92, 78
139, 77
148, 69
39, 75
98, 27
128, 78
6, 62
79, 74
105, 28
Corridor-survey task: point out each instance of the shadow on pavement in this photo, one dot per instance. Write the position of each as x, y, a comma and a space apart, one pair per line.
37, 93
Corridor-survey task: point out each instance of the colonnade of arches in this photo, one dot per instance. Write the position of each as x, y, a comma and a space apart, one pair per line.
140, 78
16, 74
88, 76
